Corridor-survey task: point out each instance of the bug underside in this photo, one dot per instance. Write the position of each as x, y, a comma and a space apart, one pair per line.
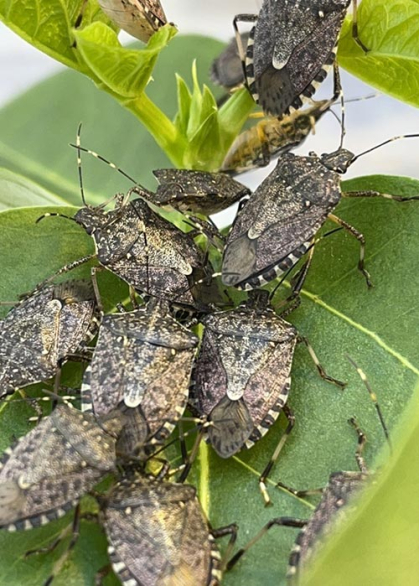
139, 18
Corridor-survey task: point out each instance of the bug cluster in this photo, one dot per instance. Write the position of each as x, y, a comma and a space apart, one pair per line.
150, 362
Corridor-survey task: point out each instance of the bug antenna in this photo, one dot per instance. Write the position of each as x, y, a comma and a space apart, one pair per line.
108, 162
373, 398
383, 144
79, 167
54, 215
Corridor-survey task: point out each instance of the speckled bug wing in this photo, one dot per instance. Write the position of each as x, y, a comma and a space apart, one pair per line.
332, 509
294, 44
227, 68
274, 228
143, 358
161, 260
158, 535
43, 329
45, 473
139, 18
242, 375
197, 191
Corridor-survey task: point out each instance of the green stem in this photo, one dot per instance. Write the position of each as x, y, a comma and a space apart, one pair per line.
160, 127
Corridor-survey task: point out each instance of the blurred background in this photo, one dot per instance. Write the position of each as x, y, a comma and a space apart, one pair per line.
368, 122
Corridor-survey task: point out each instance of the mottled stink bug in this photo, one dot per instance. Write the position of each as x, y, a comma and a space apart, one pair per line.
158, 534
142, 364
139, 18
139, 246
337, 503
242, 377
47, 471
272, 137
43, 331
290, 49
227, 68
276, 226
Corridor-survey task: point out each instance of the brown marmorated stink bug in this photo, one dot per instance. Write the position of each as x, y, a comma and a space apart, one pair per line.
242, 377
142, 365
139, 18
291, 47
151, 254
227, 69
43, 331
276, 226
158, 534
338, 501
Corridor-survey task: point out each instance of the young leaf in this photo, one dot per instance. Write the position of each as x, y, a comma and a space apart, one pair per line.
390, 29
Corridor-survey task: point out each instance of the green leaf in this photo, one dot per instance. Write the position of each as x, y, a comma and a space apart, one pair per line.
382, 535
390, 29
17, 191
43, 154
338, 315
124, 72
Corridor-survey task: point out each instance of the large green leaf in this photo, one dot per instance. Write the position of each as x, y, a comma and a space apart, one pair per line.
339, 315
390, 29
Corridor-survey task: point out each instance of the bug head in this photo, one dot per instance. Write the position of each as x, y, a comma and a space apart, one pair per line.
338, 161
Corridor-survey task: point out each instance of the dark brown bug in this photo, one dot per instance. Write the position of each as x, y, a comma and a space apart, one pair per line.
139, 18
197, 191
142, 364
290, 49
242, 377
276, 226
338, 500
272, 137
142, 248
47, 471
43, 331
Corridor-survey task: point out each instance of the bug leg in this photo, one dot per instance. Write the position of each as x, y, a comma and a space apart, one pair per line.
65, 269
278, 522
231, 530
362, 439
263, 477
74, 529
319, 367
355, 35
237, 19
372, 193
102, 573
300, 493
361, 240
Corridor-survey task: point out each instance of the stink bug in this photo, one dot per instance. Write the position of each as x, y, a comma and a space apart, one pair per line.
158, 534
139, 246
227, 69
43, 331
242, 377
47, 471
337, 503
272, 137
276, 226
143, 359
139, 18
290, 49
